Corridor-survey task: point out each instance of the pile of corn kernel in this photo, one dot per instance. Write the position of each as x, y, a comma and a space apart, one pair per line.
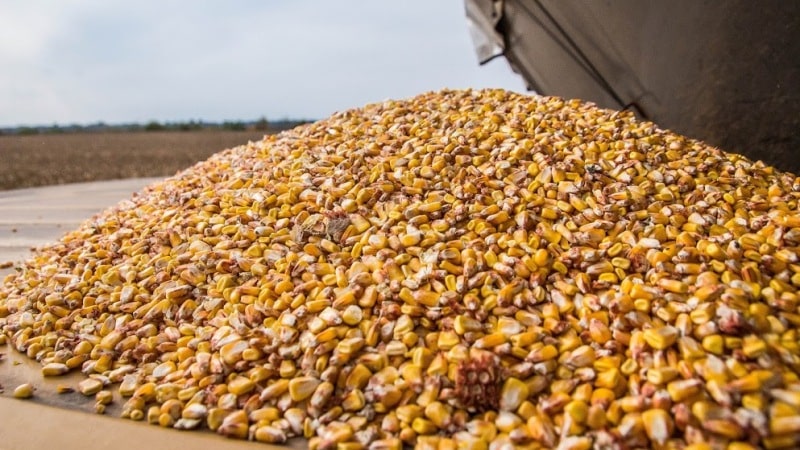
463, 269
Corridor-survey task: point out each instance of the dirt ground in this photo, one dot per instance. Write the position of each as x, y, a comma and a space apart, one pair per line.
41, 160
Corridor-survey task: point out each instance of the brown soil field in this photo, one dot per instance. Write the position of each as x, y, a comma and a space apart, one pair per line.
40, 160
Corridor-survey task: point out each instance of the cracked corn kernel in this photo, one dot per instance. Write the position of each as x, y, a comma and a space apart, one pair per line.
462, 269
104, 397
90, 386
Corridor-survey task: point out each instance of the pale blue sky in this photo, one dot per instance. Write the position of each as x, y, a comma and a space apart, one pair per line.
83, 61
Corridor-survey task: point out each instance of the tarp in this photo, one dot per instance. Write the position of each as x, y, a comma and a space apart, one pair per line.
724, 71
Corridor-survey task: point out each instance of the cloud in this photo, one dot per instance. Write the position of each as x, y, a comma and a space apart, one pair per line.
85, 60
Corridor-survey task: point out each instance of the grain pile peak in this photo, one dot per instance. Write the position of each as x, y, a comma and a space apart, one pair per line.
462, 269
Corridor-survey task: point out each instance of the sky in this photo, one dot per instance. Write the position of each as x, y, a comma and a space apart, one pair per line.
84, 61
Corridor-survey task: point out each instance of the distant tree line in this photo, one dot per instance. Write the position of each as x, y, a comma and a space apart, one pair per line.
261, 124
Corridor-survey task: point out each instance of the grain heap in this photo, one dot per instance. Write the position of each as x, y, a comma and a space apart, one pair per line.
463, 269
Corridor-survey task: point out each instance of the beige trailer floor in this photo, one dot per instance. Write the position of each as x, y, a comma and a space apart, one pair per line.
31, 217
